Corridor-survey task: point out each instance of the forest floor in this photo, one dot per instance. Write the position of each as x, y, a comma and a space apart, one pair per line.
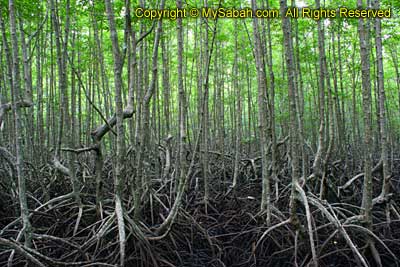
229, 231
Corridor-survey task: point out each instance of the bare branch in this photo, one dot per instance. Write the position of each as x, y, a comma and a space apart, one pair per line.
100, 131
79, 150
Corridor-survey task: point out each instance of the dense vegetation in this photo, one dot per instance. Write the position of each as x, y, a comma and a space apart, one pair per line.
198, 142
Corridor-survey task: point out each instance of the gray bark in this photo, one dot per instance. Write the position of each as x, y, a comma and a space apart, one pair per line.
261, 78
293, 125
119, 114
17, 127
382, 109
363, 29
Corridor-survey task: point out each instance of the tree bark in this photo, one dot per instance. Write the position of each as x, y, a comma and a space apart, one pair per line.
363, 30
144, 147
317, 165
258, 53
119, 114
382, 108
238, 111
17, 127
293, 126
205, 112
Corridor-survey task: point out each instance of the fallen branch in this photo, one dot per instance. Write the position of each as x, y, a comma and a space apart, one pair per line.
79, 150
100, 131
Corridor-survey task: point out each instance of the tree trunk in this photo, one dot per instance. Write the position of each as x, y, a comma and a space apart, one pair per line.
265, 197
17, 127
382, 108
238, 111
118, 172
363, 29
317, 165
204, 109
293, 127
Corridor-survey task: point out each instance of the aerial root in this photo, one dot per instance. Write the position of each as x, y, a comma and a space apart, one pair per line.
270, 229
233, 231
32, 255
369, 232
21, 250
48, 203
121, 228
377, 167
375, 254
332, 218
80, 211
308, 215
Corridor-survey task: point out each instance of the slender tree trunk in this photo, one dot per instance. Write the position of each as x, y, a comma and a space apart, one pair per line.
363, 30
8, 61
204, 110
382, 108
317, 165
28, 89
293, 128
265, 197
98, 151
166, 86
342, 92
61, 82
300, 97
393, 52
17, 127
364, 37
238, 111
181, 162
72, 143
40, 137
331, 134
355, 127
118, 175
144, 147
274, 150
338, 117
